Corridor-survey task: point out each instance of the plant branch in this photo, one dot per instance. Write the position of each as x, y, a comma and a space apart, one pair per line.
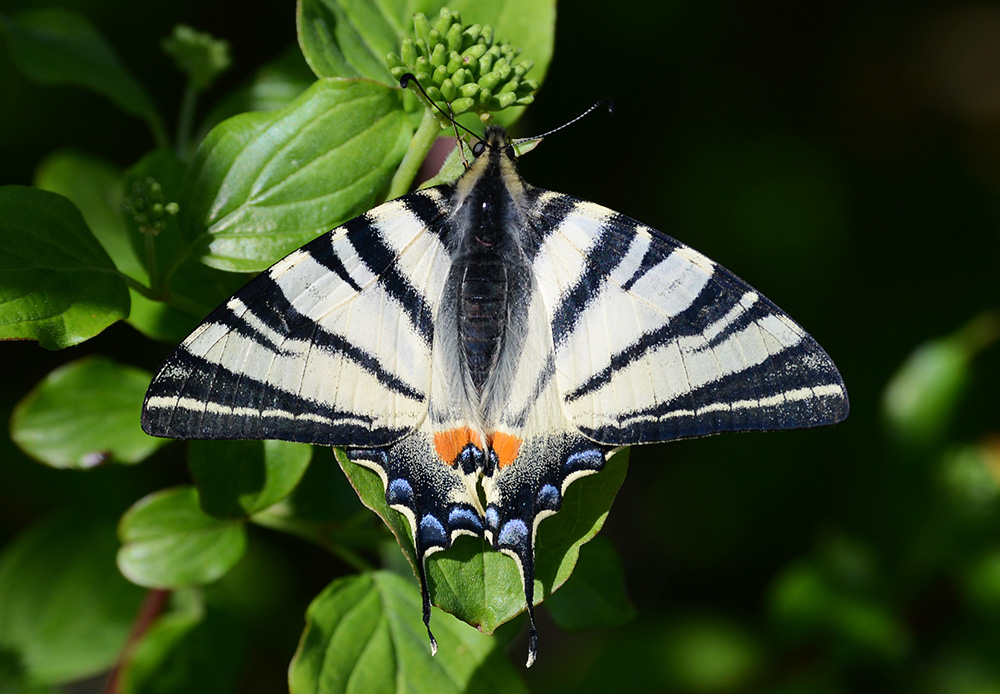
421, 144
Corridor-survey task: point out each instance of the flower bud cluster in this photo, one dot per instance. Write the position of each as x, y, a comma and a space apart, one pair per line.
461, 66
145, 204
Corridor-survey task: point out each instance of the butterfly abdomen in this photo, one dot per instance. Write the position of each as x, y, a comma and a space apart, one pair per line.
483, 298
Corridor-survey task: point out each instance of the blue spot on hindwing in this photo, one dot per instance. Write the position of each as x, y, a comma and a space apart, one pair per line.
399, 493
548, 499
471, 459
492, 517
432, 532
589, 459
464, 518
514, 534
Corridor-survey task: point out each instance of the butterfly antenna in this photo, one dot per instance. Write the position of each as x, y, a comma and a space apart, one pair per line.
404, 82
605, 103
458, 137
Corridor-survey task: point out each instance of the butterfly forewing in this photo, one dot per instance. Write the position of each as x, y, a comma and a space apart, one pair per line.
654, 341
331, 345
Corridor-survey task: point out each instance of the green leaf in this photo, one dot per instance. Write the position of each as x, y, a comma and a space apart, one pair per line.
364, 634
55, 46
169, 542
275, 85
481, 586
185, 647
85, 413
594, 596
708, 654
921, 398
57, 285
94, 185
63, 605
263, 184
341, 38
237, 478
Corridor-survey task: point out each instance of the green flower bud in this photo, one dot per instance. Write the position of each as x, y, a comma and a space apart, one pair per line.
462, 66
146, 206
448, 90
462, 104
454, 37
439, 56
421, 27
200, 56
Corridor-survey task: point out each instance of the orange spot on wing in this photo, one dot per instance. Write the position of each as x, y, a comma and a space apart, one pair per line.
450, 443
506, 447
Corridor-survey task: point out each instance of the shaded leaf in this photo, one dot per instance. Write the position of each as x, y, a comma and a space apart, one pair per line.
85, 413
63, 606
160, 321
237, 478
481, 586
364, 633
94, 185
594, 596
169, 542
921, 398
56, 46
57, 285
274, 85
263, 184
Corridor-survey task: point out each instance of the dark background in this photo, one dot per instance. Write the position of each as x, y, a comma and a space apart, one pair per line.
842, 158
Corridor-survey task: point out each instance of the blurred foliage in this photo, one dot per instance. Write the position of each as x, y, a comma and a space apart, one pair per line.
843, 158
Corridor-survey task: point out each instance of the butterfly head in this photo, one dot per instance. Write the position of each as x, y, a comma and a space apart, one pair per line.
495, 141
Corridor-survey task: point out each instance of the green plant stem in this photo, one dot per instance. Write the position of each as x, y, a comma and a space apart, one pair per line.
150, 243
185, 120
179, 303
159, 130
421, 144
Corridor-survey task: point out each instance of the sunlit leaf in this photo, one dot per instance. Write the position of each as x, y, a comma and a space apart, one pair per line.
364, 634
263, 184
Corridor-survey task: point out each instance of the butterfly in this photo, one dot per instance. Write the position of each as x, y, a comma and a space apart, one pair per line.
481, 345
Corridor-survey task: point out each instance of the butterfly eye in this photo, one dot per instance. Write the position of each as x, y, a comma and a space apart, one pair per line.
509, 151
478, 148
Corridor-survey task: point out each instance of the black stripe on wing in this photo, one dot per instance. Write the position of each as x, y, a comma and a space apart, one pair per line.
380, 260
204, 400
266, 302
616, 238
721, 296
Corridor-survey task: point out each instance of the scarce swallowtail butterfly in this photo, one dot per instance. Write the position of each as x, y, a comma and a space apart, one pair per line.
491, 335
